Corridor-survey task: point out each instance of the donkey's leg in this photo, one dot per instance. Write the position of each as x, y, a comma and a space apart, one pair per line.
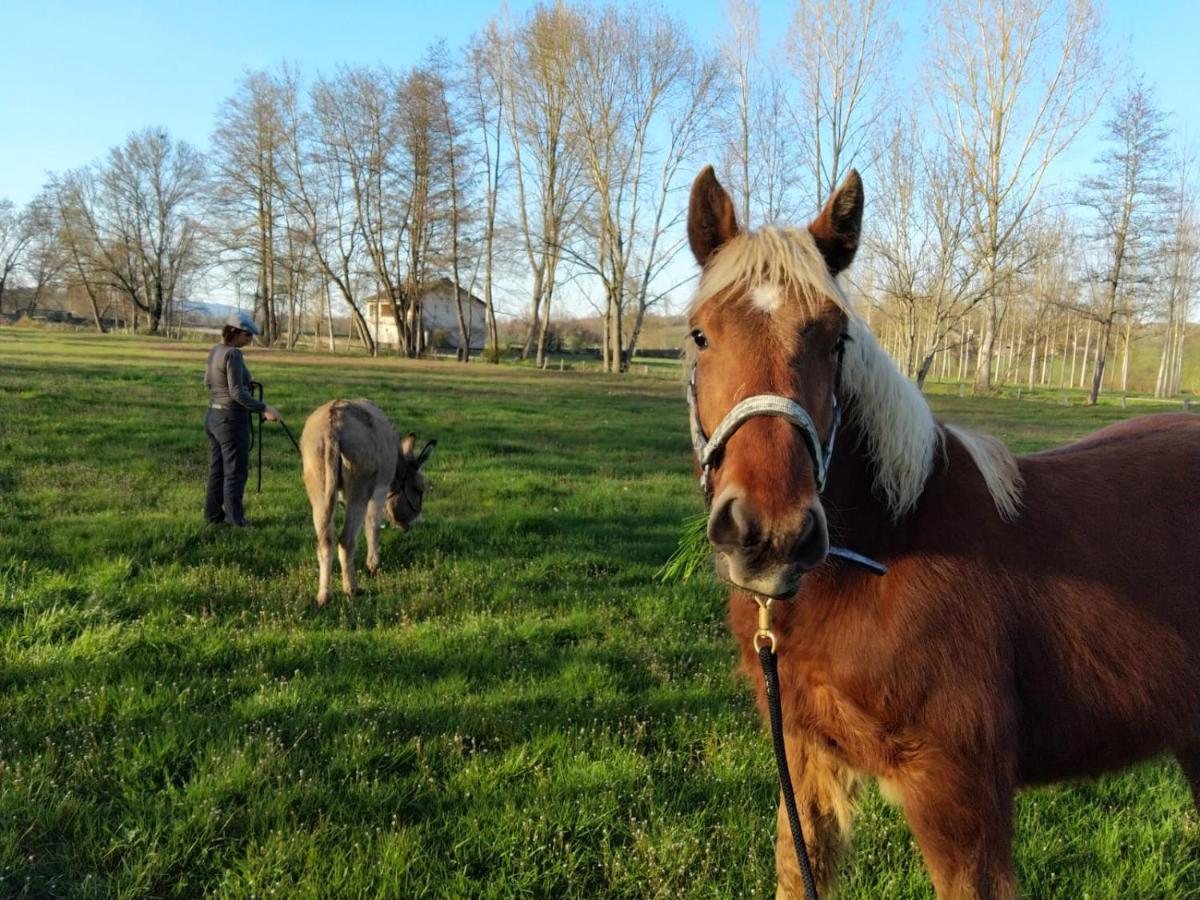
1189, 761
356, 510
826, 796
962, 819
374, 511
322, 513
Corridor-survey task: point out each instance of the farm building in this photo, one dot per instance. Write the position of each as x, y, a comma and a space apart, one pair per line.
439, 318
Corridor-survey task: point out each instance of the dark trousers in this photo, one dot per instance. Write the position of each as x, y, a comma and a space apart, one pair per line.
228, 433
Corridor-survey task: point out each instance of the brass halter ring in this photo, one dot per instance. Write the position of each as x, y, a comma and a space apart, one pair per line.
764, 634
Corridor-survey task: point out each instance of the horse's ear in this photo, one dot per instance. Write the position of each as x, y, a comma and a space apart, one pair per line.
837, 229
407, 444
711, 221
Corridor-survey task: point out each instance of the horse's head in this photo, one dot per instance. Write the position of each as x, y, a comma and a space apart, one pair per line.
768, 326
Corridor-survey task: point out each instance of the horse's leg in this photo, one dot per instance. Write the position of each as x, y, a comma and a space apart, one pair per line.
374, 509
1189, 761
962, 820
826, 791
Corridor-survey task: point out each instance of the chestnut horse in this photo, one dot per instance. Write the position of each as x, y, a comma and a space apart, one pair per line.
1040, 615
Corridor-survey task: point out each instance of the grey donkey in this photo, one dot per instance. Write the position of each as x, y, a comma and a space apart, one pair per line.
350, 450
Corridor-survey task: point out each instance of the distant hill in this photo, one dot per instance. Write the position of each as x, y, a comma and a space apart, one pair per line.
203, 313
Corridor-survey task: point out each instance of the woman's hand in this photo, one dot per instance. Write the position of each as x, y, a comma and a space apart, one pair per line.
271, 414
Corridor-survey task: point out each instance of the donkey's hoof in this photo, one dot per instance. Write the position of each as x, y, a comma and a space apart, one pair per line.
322, 599
374, 570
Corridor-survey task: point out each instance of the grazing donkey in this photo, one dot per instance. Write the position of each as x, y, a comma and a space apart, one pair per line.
350, 450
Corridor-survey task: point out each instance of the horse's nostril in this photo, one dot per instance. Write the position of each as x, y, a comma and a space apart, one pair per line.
732, 525
806, 532
810, 546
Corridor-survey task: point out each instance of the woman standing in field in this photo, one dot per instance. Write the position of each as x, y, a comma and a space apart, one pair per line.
228, 422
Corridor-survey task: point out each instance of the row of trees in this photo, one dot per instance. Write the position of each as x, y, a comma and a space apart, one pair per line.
1119, 251
554, 152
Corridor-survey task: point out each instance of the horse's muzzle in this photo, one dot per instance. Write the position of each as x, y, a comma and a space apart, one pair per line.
768, 558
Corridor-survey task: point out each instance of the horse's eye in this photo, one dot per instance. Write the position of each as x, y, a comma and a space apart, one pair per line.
700, 339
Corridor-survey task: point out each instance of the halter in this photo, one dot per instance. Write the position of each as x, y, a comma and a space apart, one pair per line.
404, 484
821, 451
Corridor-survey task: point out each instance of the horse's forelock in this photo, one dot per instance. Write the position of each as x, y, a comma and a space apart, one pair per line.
769, 269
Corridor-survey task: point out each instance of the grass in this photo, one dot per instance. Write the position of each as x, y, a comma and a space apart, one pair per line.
516, 707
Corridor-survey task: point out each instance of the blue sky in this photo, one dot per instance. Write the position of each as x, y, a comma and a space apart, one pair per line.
76, 78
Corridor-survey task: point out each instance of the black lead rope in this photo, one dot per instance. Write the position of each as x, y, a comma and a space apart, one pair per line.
256, 389
766, 656
289, 434
764, 640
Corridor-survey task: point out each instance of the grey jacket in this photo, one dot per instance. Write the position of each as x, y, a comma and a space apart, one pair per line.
228, 379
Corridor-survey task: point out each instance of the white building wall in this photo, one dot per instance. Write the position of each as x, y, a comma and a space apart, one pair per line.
437, 312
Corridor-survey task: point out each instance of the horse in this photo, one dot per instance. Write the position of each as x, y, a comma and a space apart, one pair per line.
350, 450
1039, 618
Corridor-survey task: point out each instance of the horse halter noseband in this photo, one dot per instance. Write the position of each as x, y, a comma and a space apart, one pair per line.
708, 448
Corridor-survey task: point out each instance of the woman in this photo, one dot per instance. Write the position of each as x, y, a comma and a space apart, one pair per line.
228, 422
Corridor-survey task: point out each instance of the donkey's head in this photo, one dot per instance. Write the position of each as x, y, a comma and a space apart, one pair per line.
768, 326
409, 485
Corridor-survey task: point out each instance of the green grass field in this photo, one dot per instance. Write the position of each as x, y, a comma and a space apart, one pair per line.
514, 708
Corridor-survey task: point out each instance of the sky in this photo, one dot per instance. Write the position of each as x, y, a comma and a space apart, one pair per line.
76, 78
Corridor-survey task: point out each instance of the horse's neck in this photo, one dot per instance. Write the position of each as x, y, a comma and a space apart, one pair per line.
858, 517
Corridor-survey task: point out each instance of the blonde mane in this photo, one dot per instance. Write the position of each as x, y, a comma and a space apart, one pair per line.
901, 434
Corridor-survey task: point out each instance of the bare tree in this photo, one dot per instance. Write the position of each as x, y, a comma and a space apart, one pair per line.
450, 107
486, 57
133, 221
637, 79
322, 198
919, 243
1180, 275
248, 147
761, 150
548, 174
43, 260
843, 53
433, 174
1126, 197
1012, 83
15, 236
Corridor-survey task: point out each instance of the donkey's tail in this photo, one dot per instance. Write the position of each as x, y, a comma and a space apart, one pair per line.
322, 462
332, 460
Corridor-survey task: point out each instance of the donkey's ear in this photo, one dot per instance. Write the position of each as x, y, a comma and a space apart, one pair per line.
406, 445
426, 452
837, 229
711, 221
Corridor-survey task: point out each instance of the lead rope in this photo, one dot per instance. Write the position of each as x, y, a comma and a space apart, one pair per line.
256, 389
764, 640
